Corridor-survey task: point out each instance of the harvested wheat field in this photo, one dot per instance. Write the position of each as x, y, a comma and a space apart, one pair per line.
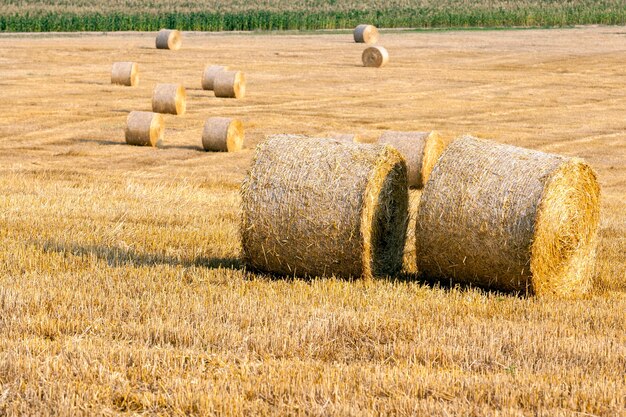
122, 289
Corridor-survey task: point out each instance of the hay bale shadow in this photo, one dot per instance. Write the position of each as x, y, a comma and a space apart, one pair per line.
116, 256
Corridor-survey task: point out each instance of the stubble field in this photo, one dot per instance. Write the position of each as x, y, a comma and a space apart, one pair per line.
121, 288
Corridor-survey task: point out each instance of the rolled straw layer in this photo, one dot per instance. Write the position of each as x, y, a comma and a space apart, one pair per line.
208, 76
315, 207
125, 73
509, 218
375, 56
169, 98
366, 34
222, 134
229, 84
144, 128
169, 39
420, 150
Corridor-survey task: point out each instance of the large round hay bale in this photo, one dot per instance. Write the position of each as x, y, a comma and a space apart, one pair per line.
229, 84
509, 218
222, 134
144, 128
366, 34
420, 150
169, 39
125, 73
318, 207
375, 56
169, 98
208, 76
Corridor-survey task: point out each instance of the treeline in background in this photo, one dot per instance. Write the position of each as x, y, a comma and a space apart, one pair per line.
219, 15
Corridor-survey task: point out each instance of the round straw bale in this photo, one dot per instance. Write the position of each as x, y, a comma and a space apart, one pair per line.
125, 73
208, 76
345, 137
169, 39
420, 150
222, 134
315, 207
144, 128
366, 34
375, 56
230, 84
169, 98
509, 218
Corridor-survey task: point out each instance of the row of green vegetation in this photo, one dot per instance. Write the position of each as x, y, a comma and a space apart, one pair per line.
480, 14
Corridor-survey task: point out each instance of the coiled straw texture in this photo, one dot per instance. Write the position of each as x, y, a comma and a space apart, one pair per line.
509, 218
320, 207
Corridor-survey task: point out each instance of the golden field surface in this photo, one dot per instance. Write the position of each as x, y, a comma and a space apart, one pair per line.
121, 286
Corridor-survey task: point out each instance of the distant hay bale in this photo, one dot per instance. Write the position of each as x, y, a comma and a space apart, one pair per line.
229, 84
208, 76
319, 207
366, 34
375, 56
169, 39
420, 150
169, 98
144, 128
125, 73
222, 134
509, 218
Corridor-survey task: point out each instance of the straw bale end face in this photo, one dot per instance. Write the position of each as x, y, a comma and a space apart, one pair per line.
125, 73
169, 98
222, 134
375, 56
421, 150
509, 218
144, 128
320, 207
366, 34
169, 39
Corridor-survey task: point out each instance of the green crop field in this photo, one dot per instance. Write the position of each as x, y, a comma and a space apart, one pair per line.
219, 15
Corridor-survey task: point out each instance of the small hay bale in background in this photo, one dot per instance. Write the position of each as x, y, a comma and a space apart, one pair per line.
366, 34
509, 218
125, 73
319, 207
222, 134
169, 98
420, 150
169, 39
229, 84
144, 128
375, 56
208, 76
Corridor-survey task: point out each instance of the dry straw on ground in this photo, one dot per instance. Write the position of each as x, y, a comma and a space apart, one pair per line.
366, 34
420, 150
229, 84
208, 76
144, 128
125, 73
321, 207
375, 56
509, 218
169, 39
169, 98
346, 137
222, 134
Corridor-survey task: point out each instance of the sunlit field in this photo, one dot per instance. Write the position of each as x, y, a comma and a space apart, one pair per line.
122, 289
